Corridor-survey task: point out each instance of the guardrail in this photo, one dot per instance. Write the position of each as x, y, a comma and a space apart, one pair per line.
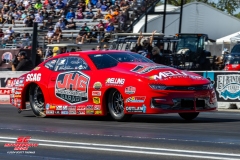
226, 84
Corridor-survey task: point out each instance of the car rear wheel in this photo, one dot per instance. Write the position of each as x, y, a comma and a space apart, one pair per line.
189, 116
37, 100
116, 106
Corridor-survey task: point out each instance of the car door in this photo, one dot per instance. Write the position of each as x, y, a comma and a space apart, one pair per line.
69, 84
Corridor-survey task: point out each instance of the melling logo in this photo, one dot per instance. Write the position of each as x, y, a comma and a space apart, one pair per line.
115, 81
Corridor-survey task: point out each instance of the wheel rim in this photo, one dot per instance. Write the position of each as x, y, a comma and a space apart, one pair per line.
117, 105
38, 99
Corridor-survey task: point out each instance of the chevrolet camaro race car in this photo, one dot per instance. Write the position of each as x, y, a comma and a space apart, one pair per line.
118, 83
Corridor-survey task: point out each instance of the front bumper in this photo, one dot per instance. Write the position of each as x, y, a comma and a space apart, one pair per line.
177, 102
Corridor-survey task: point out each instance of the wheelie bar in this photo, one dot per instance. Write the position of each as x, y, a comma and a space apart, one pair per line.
21, 110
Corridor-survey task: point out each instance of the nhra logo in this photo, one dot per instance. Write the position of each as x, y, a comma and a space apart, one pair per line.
136, 99
130, 90
72, 87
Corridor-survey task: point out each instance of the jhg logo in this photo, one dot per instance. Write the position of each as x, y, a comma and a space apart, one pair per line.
21, 144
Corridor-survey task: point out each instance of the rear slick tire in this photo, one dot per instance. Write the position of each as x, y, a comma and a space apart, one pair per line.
116, 106
37, 102
189, 116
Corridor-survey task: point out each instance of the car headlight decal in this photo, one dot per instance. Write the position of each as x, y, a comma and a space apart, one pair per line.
158, 86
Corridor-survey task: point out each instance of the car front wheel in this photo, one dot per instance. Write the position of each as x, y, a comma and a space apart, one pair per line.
116, 106
36, 98
189, 116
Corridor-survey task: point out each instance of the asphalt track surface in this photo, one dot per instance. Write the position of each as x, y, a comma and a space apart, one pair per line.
214, 135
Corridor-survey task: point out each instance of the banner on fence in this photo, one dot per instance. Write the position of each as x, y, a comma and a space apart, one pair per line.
7, 55
6, 80
226, 84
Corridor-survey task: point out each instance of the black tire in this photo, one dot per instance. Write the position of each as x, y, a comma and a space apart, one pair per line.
189, 116
37, 102
116, 106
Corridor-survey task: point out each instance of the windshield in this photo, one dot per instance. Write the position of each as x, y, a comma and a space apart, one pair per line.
192, 42
235, 60
108, 60
236, 49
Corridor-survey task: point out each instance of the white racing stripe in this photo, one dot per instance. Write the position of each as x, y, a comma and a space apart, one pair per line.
130, 149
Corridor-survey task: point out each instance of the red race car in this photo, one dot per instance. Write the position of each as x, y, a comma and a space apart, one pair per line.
233, 63
116, 82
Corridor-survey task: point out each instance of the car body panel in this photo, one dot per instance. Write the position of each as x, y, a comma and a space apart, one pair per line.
84, 91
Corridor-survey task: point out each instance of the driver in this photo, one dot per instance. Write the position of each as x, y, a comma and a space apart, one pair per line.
144, 45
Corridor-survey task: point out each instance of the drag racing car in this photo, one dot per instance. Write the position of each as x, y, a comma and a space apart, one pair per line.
116, 83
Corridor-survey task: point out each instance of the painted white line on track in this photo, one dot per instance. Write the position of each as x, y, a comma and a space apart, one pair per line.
132, 149
128, 136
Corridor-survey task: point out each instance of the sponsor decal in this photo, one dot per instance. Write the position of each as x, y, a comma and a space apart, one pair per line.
96, 100
97, 112
21, 81
21, 144
64, 112
19, 85
12, 101
96, 93
52, 107
228, 86
57, 112
97, 85
49, 112
10, 83
33, 77
130, 90
80, 112
4, 82
173, 74
115, 81
17, 96
89, 107
47, 106
168, 74
72, 87
65, 108
59, 108
80, 108
72, 112
145, 69
71, 107
136, 99
5, 91
141, 109
97, 107
36, 68
89, 111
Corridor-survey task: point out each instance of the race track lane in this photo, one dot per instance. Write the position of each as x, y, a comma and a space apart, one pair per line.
212, 135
